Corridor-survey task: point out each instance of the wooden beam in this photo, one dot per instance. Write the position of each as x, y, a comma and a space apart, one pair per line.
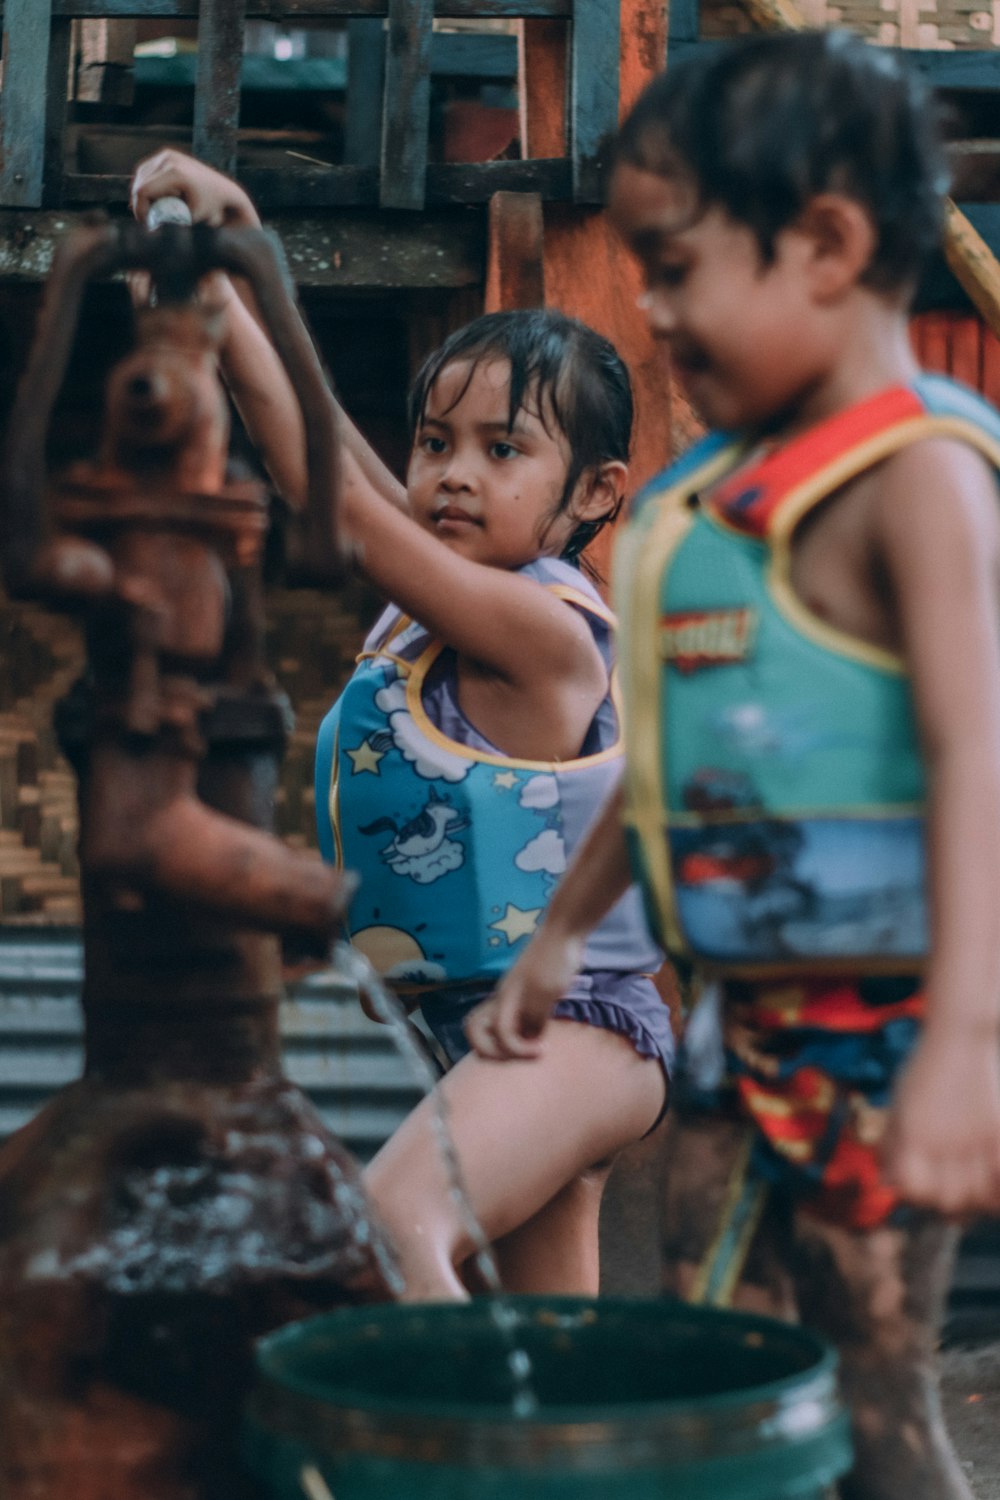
593, 93
365, 90
467, 54
515, 269
973, 265
56, 97
956, 70
476, 182
407, 104
684, 22
356, 250
217, 82
304, 188
293, 10
953, 71
27, 36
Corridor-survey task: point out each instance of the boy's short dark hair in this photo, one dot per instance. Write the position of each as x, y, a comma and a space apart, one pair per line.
763, 123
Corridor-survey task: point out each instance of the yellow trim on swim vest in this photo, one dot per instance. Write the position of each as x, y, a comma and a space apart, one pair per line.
813, 967
802, 498
864, 811
415, 703
397, 661
573, 596
640, 556
403, 623
333, 803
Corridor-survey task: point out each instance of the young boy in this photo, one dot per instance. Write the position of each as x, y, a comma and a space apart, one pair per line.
811, 669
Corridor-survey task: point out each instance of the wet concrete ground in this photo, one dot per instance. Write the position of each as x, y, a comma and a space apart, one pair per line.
971, 1385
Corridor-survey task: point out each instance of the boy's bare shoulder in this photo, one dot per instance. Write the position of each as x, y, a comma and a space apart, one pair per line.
937, 491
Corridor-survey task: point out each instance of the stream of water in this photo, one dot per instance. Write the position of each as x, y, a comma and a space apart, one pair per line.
505, 1315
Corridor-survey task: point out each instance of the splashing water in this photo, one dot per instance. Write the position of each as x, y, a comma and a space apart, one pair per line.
504, 1313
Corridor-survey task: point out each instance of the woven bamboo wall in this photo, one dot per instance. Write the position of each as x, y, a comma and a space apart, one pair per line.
312, 641
951, 25
40, 655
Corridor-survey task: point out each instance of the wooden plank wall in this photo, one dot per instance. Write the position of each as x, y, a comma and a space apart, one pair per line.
959, 344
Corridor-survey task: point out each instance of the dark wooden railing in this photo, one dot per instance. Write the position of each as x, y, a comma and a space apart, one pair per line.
391, 62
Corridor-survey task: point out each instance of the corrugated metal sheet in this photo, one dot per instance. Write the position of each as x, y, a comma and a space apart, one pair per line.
347, 1064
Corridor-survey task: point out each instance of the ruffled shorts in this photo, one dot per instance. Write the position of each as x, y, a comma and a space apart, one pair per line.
626, 1003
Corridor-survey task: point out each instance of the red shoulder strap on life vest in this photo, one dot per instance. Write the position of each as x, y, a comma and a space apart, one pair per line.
748, 499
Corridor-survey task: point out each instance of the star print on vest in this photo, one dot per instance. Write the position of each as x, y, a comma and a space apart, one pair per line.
458, 845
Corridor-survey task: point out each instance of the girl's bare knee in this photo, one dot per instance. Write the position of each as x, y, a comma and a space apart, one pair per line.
425, 1249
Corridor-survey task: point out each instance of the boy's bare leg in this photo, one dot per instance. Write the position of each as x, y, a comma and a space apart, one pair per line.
878, 1296
702, 1153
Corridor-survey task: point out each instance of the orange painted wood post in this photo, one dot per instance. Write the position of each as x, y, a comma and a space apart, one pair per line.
515, 269
991, 366
587, 273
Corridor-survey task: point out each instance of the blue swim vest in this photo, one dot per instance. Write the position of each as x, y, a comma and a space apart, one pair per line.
775, 788
459, 847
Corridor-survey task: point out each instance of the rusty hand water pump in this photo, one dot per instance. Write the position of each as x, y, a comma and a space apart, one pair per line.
182, 1197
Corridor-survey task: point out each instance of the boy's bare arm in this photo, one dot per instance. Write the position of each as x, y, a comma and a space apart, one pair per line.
939, 531
255, 375
511, 1022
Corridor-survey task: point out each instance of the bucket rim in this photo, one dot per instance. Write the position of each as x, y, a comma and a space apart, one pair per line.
803, 1406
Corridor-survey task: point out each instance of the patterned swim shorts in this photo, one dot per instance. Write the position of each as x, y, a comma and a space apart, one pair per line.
813, 1064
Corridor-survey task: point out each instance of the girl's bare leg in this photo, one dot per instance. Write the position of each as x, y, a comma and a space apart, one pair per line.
524, 1132
878, 1295
557, 1250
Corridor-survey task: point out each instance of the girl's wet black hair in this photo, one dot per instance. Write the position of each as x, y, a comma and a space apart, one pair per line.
763, 123
569, 374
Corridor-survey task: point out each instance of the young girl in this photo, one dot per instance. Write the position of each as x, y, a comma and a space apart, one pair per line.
465, 758
811, 662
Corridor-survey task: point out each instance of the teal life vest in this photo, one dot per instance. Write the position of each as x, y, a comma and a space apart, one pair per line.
458, 847
775, 789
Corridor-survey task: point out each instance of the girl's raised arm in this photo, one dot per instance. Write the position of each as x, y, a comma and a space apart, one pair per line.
488, 614
250, 365
939, 532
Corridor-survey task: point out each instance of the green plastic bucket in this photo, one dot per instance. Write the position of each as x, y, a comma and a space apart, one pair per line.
636, 1399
